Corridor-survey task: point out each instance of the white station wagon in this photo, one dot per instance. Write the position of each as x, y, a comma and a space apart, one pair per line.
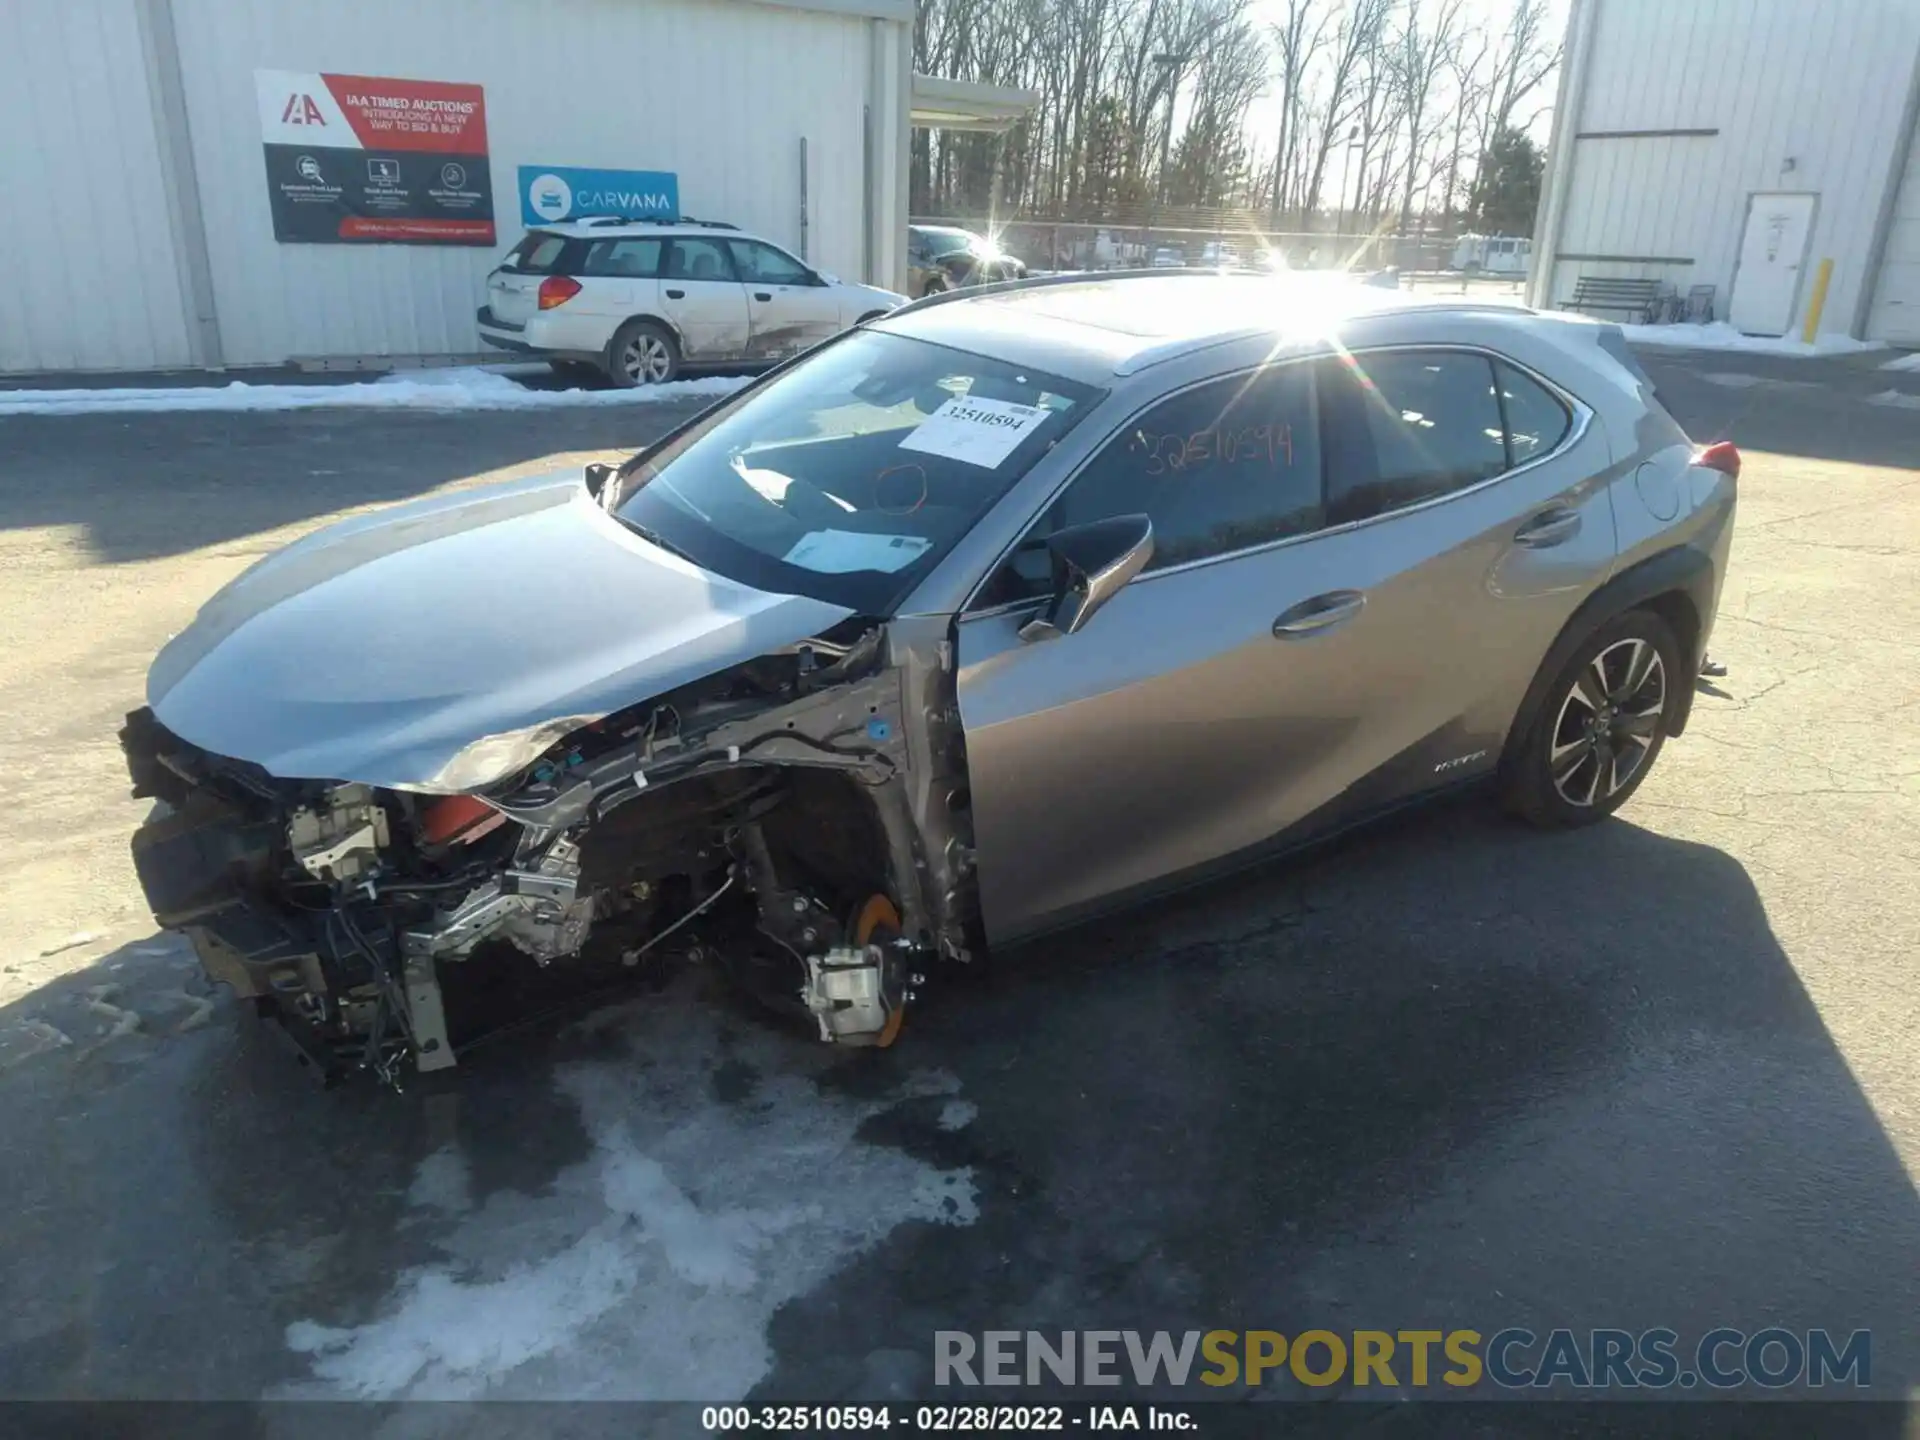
641, 300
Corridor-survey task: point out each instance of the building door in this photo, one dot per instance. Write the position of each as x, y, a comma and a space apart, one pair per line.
1766, 286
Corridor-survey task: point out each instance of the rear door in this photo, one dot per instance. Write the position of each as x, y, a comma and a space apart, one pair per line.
706, 302
620, 276
1337, 604
513, 289
789, 308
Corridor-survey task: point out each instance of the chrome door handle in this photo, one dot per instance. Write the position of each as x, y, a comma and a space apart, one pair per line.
1552, 526
1322, 612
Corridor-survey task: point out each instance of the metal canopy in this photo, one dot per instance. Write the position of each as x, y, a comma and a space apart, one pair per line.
940, 104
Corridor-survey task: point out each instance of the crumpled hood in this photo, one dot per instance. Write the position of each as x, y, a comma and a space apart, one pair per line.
379, 648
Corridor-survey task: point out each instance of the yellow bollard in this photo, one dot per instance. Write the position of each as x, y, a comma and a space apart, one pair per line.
1819, 301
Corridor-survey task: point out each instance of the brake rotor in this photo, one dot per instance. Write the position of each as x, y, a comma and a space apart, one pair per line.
877, 922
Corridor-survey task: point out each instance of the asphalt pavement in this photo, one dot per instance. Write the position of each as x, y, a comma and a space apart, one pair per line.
1450, 1074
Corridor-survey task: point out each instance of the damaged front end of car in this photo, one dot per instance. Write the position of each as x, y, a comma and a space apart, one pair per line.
799, 819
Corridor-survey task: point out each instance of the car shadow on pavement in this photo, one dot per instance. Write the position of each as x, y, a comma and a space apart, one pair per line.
140, 486
1454, 1074
1449, 1075
1822, 409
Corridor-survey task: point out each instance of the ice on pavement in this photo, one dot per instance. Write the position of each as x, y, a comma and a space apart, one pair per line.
1722, 336
1909, 361
466, 388
652, 1268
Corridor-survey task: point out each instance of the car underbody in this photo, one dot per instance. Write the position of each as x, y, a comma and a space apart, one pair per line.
800, 819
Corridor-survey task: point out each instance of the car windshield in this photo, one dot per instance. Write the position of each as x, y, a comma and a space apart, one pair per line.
847, 477
953, 242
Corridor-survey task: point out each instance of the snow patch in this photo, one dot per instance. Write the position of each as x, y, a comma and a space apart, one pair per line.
652, 1268
1722, 336
1896, 398
1909, 361
442, 1183
958, 1114
467, 388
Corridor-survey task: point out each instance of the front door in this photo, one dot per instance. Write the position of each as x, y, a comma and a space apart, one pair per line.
706, 303
1326, 618
788, 307
1773, 249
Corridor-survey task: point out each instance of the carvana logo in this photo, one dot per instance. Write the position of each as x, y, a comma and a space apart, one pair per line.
550, 197
553, 192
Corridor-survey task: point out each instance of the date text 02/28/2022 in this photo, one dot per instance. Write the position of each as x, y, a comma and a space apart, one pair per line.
939, 1419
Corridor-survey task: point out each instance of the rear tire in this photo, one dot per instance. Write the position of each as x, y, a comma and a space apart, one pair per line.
1601, 726
642, 352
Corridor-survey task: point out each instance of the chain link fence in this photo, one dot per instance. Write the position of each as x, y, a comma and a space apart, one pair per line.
1425, 259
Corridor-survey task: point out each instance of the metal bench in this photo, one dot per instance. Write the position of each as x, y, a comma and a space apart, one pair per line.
1605, 292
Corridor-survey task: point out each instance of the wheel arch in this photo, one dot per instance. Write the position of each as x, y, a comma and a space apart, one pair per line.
656, 318
1676, 584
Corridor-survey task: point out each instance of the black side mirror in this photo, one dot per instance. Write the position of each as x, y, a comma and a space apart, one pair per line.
1091, 564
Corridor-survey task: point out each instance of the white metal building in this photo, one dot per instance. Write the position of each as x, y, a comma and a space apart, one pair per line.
133, 187
1740, 144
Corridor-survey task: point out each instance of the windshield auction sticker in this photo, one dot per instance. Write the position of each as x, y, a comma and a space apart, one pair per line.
980, 432
360, 159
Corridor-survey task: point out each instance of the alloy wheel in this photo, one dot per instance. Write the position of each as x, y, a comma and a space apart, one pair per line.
645, 360
1608, 722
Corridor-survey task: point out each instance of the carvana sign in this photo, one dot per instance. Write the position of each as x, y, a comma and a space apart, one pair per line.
558, 192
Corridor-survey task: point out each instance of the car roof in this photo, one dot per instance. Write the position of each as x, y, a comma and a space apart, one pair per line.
1121, 323
602, 226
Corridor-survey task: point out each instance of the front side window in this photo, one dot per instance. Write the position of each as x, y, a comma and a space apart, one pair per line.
1225, 466
848, 476
698, 258
1412, 425
768, 266
627, 259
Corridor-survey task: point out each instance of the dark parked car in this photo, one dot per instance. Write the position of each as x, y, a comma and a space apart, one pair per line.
941, 258
979, 619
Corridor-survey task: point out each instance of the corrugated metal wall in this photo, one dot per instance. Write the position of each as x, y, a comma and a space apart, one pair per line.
718, 92
1806, 95
92, 280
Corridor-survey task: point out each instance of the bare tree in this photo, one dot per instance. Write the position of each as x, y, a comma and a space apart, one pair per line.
1144, 104
1298, 41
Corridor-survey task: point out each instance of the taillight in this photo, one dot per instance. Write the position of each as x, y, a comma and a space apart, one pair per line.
557, 290
1723, 456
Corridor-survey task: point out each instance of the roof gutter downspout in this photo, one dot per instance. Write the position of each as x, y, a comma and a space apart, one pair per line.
1889, 204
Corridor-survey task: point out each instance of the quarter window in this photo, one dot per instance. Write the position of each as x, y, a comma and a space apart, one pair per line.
537, 254
1409, 425
1536, 420
628, 259
697, 258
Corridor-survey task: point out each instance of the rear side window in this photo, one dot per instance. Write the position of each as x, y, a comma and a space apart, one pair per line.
1412, 425
629, 259
1536, 420
698, 258
538, 254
